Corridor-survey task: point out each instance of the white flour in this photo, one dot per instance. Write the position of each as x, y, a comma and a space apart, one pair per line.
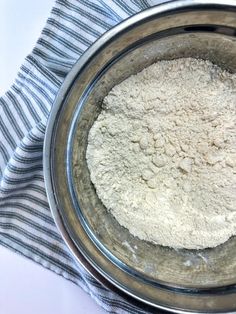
162, 154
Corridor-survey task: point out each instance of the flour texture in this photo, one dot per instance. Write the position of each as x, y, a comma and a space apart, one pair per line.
162, 154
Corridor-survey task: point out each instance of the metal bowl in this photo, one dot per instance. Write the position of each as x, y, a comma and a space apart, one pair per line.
178, 280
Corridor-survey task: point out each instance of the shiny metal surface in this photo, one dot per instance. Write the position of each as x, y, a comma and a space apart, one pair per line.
178, 280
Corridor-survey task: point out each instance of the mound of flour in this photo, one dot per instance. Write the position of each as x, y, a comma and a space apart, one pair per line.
162, 154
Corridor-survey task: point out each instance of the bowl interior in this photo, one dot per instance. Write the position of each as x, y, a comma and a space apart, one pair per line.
153, 263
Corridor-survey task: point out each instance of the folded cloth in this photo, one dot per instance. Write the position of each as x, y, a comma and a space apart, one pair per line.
26, 224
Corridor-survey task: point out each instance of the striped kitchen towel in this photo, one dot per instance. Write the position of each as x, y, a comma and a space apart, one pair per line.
26, 224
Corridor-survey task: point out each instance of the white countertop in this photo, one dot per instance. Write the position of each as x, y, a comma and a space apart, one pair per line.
26, 287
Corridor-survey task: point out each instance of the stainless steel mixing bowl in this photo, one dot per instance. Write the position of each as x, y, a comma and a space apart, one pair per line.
179, 280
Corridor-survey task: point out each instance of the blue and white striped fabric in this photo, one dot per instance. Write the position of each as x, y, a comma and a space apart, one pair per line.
26, 225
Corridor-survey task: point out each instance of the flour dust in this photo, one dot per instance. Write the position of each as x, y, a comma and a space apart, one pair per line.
162, 154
